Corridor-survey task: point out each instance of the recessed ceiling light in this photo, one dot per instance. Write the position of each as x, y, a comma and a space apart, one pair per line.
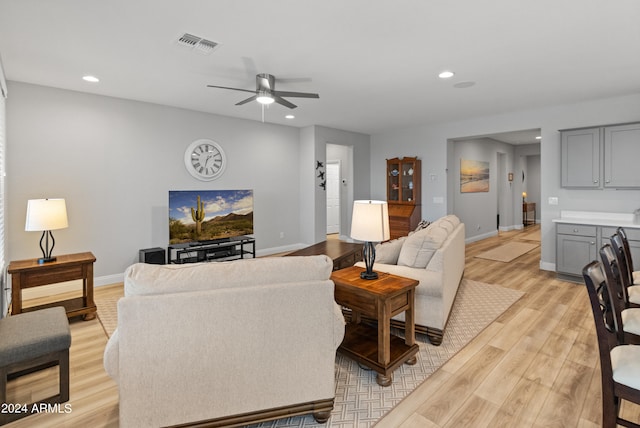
446, 74
289, 116
538, 137
92, 79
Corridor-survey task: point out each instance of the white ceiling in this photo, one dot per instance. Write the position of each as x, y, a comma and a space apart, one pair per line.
374, 63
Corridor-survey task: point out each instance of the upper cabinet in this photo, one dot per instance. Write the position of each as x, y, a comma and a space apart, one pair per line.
602, 157
403, 181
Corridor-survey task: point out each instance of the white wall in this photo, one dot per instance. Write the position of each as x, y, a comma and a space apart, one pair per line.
115, 160
429, 142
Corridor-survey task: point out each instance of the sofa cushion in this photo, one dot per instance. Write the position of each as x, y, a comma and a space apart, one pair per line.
144, 279
449, 223
418, 248
388, 252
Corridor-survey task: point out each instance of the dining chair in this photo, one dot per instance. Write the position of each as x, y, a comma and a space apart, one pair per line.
626, 318
619, 364
623, 254
634, 275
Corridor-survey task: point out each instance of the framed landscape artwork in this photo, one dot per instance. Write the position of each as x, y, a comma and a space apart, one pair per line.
474, 176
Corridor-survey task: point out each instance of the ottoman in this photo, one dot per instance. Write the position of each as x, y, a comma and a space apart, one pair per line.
29, 342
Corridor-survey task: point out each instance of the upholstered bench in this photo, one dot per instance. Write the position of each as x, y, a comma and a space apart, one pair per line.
29, 342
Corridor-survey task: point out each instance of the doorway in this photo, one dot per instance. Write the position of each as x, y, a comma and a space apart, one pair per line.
333, 197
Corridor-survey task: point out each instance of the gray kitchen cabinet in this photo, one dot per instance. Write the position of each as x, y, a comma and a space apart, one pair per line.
621, 154
633, 236
581, 158
575, 247
601, 157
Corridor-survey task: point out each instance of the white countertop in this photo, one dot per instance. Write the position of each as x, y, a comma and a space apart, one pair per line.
629, 220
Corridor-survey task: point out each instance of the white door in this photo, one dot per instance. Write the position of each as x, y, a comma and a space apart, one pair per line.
333, 197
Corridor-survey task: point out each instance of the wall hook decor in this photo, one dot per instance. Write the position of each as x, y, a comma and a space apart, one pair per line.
323, 182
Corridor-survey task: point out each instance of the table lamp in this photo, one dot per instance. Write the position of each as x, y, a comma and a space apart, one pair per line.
524, 197
370, 223
46, 215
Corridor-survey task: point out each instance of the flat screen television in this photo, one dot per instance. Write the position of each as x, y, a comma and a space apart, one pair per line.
209, 215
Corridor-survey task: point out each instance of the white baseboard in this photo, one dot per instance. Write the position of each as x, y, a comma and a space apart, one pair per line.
547, 266
108, 279
282, 249
481, 237
512, 227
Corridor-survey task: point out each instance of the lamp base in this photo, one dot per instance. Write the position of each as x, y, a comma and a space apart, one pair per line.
43, 260
369, 275
369, 256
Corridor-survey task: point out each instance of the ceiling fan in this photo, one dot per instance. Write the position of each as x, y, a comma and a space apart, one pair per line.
266, 93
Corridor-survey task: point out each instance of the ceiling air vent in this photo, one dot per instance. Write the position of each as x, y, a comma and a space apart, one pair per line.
197, 43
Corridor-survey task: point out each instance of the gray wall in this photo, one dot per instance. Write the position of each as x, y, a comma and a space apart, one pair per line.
115, 160
533, 181
479, 210
429, 142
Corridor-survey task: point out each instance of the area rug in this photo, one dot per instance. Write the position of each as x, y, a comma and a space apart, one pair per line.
108, 312
360, 401
507, 252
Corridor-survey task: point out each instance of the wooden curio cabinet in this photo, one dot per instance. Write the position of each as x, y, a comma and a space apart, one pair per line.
403, 195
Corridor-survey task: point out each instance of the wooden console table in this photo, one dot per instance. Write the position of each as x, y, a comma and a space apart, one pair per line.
69, 267
343, 254
527, 207
379, 299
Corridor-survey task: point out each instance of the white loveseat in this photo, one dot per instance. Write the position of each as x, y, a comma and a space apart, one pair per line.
435, 256
230, 343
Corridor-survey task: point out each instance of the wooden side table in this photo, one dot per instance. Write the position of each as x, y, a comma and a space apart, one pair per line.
69, 267
527, 207
379, 299
343, 254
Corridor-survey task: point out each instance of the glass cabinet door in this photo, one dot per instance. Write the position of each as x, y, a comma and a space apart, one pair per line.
407, 181
403, 180
393, 180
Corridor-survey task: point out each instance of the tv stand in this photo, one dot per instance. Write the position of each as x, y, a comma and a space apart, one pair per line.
235, 248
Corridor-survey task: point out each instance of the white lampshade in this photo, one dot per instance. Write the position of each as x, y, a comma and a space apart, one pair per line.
370, 221
46, 214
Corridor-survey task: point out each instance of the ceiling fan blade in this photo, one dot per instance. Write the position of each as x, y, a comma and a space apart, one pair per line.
295, 94
253, 98
233, 89
282, 101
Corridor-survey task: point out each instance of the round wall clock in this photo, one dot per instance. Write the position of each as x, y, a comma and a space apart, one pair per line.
205, 160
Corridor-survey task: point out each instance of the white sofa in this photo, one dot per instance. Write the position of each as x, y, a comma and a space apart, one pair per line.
230, 343
435, 256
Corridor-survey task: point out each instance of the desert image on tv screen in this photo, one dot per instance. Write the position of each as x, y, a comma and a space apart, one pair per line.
203, 215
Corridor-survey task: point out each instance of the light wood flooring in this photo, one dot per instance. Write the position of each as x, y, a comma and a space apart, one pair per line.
535, 366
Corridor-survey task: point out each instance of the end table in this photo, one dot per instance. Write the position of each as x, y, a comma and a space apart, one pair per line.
69, 267
379, 299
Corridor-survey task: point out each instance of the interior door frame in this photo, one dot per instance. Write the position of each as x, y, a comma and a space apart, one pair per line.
339, 197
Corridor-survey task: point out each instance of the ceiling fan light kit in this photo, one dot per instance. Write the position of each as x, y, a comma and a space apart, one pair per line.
264, 98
